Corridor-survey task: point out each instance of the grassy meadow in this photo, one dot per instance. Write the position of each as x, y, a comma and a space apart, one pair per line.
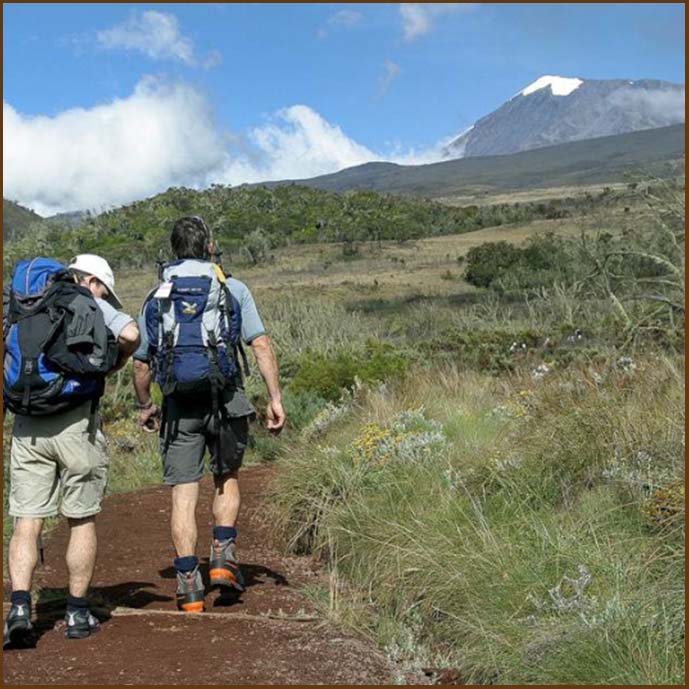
492, 475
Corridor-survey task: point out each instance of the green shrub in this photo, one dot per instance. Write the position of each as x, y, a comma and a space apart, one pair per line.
488, 262
302, 406
328, 375
544, 259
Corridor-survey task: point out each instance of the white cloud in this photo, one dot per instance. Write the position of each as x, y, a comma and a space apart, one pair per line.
418, 18
161, 135
157, 35
392, 71
296, 143
213, 60
345, 18
665, 106
164, 135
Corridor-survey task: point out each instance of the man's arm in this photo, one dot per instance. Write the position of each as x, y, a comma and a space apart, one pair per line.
148, 411
128, 341
262, 347
125, 330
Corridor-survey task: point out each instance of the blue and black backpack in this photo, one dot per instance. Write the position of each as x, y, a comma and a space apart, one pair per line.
193, 325
57, 346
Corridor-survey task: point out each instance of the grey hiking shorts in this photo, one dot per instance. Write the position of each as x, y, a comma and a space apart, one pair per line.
188, 428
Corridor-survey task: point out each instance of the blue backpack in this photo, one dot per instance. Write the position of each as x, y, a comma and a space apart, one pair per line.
194, 324
57, 346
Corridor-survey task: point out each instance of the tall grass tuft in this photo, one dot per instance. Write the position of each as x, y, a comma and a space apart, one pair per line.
501, 526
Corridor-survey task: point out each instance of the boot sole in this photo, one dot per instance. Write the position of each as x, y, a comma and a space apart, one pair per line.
225, 579
194, 606
81, 634
20, 637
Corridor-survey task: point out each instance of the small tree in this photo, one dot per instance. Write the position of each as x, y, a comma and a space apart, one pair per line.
257, 247
642, 272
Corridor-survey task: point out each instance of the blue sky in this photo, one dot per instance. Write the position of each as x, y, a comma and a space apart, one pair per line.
375, 81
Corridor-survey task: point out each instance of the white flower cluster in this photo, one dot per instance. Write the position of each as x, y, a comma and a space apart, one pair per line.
326, 417
611, 611
540, 372
451, 479
508, 463
639, 470
416, 446
413, 419
578, 600
502, 411
574, 600
626, 363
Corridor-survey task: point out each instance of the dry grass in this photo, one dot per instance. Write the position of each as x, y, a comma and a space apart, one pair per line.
385, 270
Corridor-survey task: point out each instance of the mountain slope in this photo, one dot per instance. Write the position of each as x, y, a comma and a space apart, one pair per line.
606, 159
16, 219
556, 110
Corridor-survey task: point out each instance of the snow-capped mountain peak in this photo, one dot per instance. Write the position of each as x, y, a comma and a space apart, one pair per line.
559, 86
554, 110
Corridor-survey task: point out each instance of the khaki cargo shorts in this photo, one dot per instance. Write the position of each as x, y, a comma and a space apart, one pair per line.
54, 464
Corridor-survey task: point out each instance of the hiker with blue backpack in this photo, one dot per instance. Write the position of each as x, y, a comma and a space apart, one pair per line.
63, 334
194, 326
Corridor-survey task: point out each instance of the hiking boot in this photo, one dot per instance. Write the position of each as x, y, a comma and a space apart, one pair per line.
190, 591
223, 567
80, 623
18, 627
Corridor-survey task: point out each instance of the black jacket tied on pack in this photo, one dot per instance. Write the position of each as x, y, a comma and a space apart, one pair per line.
58, 349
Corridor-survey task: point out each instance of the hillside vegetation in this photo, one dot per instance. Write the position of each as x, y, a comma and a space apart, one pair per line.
486, 429
499, 493
16, 220
251, 222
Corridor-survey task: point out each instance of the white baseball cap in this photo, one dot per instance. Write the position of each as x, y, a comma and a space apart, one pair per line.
91, 264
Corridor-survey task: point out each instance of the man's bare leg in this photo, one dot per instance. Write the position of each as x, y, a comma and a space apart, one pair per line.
23, 558
81, 561
224, 570
190, 587
81, 555
226, 501
185, 497
23, 552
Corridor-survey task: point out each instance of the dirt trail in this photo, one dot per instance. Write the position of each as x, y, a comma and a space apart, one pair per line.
268, 635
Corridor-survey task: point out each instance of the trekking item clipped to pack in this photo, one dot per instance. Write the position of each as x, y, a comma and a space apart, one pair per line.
57, 346
194, 325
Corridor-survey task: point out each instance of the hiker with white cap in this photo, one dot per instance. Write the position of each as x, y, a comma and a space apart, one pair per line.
94, 272
63, 334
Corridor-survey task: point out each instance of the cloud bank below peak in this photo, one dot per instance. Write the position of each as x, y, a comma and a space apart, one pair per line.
164, 135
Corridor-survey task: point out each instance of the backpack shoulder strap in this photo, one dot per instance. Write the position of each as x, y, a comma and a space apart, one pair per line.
147, 299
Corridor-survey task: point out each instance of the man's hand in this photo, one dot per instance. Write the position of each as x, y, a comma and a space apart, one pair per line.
276, 416
149, 419
268, 366
149, 413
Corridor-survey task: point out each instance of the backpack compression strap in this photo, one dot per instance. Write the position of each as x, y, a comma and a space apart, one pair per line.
229, 313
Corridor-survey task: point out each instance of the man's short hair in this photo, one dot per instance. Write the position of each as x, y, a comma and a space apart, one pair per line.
190, 237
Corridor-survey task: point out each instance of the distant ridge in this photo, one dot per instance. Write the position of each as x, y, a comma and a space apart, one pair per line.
604, 159
16, 219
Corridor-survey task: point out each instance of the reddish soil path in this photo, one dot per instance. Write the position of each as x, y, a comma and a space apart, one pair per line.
268, 635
